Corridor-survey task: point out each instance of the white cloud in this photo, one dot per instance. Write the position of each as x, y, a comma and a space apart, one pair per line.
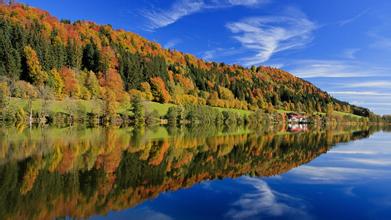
350, 53
352, 163
267, 35
380, 41
209, 54
358, 84
359, 103
369, 161
159, 18
360, 93
369, 84
220, 52
230, 3
172, 43
368, 99
377, 103
349, 191
364, 152
354, 18
264, 201
247, 2
333, 69
147, 213
369, 148
334, 175
276, 65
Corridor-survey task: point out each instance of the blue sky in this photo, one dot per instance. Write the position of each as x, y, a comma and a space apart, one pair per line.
343, 47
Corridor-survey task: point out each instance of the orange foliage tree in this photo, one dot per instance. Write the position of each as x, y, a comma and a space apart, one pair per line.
71, 84
159, 90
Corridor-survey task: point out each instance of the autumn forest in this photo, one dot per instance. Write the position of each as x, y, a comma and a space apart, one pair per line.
44, 59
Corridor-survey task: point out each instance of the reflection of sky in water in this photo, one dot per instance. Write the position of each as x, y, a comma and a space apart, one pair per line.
351, 181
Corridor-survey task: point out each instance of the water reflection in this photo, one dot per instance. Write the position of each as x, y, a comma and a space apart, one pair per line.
52, 172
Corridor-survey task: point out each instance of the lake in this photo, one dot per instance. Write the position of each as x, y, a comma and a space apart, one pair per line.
195, 173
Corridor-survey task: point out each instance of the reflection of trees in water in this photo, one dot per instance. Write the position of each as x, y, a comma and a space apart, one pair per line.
53, 172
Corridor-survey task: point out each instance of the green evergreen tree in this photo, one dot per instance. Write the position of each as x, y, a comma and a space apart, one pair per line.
138, 112
91, 58
74, 54
10, 59
172, 116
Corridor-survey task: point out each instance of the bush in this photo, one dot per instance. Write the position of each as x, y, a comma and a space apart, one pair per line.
4, 95
172, 116
24, 90
231, 118
152, 118
205, 115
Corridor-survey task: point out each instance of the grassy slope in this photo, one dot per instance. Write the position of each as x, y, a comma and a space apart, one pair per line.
342, 114
97, 105
53, 106
348, 114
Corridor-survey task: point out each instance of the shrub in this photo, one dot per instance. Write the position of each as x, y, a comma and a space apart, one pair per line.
24, 90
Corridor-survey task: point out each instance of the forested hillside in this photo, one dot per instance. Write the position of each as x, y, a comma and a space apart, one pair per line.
42, 57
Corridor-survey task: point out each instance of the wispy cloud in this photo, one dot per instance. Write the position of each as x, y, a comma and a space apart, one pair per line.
265, 201
246, 2
353, 81
334, 175
377, 102
370, 161
358, 152
220, 52
350, 53
369, 99
349, 191
360, 93
352, 163
354, 18
158, 18
385, 104
333, 69
380, 41
146, 213
369, 84
172, 43
267, 35
209, 54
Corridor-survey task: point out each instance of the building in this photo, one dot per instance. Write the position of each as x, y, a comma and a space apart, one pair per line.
297, 118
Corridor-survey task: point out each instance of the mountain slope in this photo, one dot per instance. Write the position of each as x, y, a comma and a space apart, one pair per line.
84, 60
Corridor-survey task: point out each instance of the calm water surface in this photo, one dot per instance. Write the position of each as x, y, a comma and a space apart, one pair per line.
195, 174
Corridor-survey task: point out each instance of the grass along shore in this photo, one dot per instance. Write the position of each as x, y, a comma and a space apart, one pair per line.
96, 107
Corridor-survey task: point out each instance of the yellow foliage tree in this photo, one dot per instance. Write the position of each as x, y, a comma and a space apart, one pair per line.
55, 81
4, 94
37, 75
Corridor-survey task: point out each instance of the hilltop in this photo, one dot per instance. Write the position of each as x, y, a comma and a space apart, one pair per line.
42, 57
